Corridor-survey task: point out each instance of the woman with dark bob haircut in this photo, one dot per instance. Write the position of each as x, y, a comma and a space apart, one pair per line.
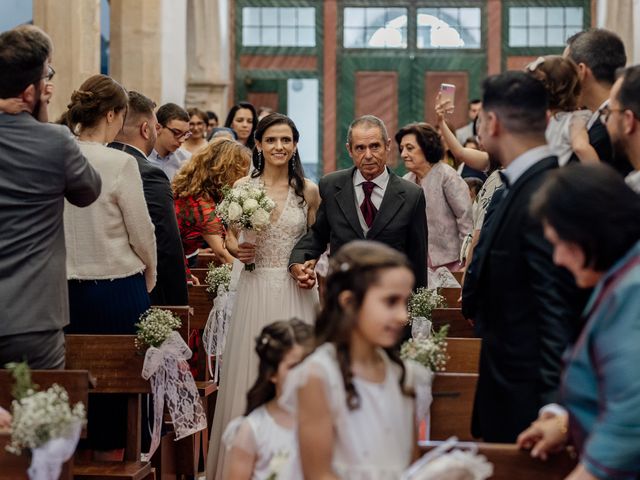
592, 219
448, 203
243, 120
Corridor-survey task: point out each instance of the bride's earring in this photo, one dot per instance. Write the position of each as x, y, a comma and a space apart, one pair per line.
260, 160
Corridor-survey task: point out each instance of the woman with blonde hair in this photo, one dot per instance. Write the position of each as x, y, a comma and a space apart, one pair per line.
197, 188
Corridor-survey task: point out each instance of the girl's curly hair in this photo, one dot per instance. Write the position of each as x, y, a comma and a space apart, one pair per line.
220, 163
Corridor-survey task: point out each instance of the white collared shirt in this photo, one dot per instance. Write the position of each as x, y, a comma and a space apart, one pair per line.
524, 162
377, 194
171, 163
596, 114
633, 180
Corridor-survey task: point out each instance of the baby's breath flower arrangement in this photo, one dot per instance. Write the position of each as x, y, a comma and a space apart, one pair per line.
154, 327
40, 416
428, 351
218, 276
423, 301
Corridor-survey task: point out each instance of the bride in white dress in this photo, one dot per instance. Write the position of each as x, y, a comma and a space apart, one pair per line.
268, 293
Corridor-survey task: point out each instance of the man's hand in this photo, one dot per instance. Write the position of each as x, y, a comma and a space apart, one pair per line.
546, 435
303, 273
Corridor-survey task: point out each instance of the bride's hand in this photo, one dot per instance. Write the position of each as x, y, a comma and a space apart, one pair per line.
246, 252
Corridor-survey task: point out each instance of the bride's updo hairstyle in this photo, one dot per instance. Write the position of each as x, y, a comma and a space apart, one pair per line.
98, 95
296, 172
354, 268
273, 343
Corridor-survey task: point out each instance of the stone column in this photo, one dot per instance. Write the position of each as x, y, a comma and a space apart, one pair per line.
74, 27
147, 47
135, 46
208, 55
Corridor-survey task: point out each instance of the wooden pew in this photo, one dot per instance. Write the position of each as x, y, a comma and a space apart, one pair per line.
464, 355
458, 276
202, 302
458, 325
117, 365
451, 296
509, 462
75, 382
200, 274
453, 395
204, 259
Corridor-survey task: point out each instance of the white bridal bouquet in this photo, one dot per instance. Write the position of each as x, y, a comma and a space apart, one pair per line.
166, 367
44, 422
247, 208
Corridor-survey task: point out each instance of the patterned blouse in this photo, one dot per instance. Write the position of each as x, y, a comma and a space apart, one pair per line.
196, 217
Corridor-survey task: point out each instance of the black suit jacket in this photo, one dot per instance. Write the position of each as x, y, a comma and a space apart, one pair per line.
400, 221
601, 143
526, 310
171, 285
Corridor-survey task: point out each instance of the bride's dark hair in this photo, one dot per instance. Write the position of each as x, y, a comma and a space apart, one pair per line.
296, 172
273, 343
355, 268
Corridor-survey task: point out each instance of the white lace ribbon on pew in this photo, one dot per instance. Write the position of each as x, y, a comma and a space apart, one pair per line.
168, 371
47, 460
452, 460
215, 331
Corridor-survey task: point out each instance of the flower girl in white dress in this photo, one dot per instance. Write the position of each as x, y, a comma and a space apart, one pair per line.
261, 445
353, 398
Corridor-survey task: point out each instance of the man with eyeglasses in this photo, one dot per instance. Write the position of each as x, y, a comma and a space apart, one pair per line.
622, 119
173, 130
41, 166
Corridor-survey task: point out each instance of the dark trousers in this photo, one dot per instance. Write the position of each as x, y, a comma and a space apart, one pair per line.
41, 350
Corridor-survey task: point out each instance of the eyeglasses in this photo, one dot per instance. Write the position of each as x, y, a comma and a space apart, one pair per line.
179, 134
50, 73
605, 112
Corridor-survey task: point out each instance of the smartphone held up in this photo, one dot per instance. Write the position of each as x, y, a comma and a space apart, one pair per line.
447, 94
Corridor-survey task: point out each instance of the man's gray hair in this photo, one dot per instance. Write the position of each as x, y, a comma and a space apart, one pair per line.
369, 121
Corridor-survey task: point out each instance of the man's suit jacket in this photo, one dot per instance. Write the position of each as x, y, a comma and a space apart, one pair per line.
171, 285
400, 221
601, 143
526, 311
40, 166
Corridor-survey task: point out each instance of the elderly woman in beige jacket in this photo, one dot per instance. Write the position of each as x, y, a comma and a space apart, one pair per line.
447, 195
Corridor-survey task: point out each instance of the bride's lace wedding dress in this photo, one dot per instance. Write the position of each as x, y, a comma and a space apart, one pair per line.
264, 295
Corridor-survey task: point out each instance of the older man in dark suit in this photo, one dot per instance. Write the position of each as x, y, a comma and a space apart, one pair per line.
366, 202
525, 308
137, 138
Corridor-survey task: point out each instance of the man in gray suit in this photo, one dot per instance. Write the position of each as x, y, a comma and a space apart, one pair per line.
40, 166
367, 201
